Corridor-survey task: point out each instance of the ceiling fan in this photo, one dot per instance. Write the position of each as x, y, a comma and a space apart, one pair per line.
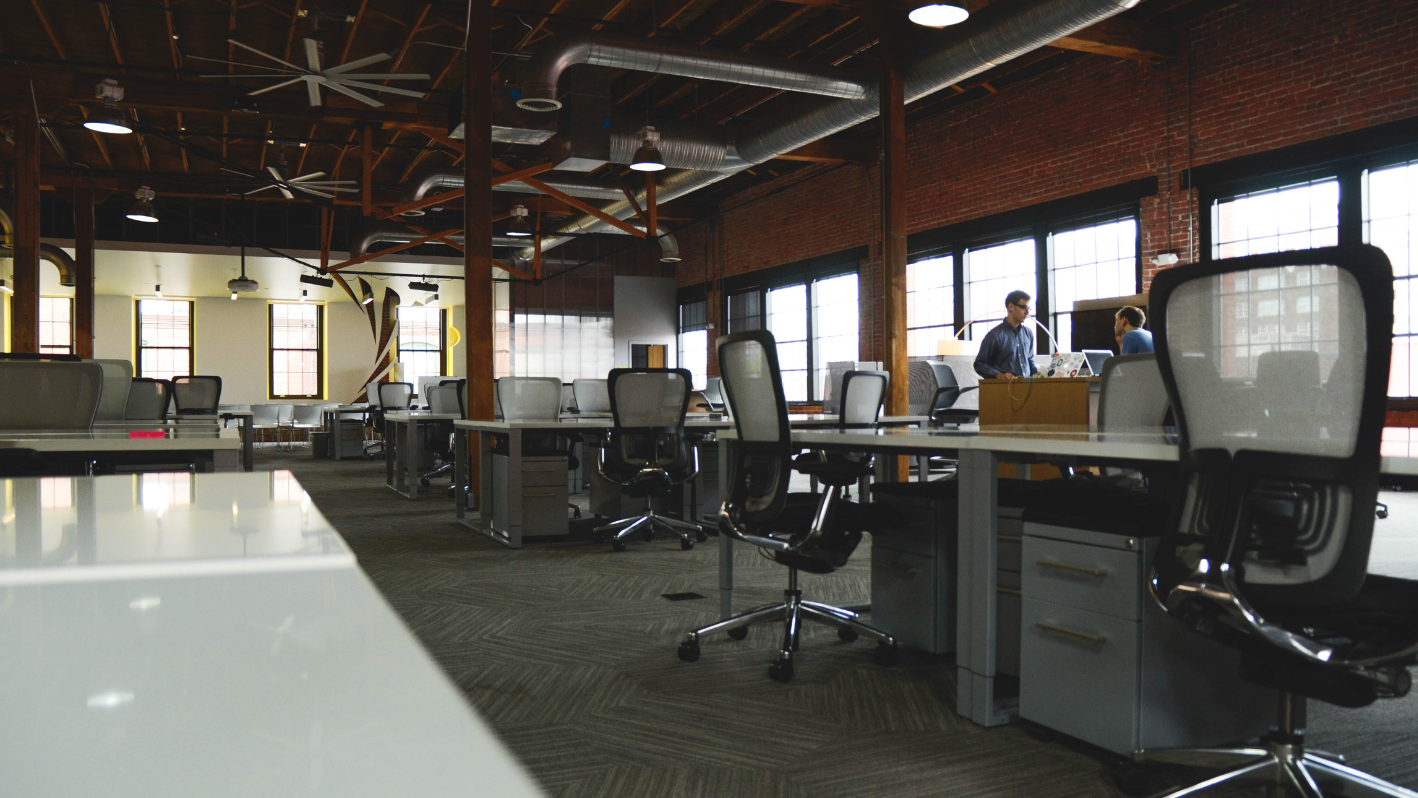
340, 78
310, 184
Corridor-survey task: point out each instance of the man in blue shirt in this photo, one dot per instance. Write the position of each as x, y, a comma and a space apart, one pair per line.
1007, 351
1132, 339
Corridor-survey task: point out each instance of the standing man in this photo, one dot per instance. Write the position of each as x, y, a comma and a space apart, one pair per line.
1008, 350
1132, 339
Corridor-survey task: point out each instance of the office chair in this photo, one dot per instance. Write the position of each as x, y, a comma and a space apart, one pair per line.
306, 418
387, 396
445, 397
860, 397
646, 452
117, 381
1268, 552
800, 531
592, 396
941, 408
537, 399
196, 396
148, 400
266, 418
49, 393
712, 391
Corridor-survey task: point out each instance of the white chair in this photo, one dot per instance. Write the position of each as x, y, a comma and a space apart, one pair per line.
45, 394
529, 398
1132, 397
117, 382
266, 417
285, 415
592, 396
307, 418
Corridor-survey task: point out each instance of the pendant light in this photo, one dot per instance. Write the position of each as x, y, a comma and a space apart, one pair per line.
108, 118
647, 158
243, 283
142, 210
519, 227
938, 15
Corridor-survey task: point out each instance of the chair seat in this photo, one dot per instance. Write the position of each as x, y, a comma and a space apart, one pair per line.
832, 551
833, 470
648, 483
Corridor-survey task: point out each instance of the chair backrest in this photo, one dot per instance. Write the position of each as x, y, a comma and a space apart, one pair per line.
443, 398
714, 390
863, 393
148, 400
648, 405
753, 391
1280, 498
117, 381
286, 412
1132, 397
529, 398
371, 394
425, 383
460, 395
592, 396
395, 395
309, 415
265, 415
196, 395
48, 394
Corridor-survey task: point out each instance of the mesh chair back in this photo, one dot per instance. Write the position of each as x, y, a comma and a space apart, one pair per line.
395, 395
530, 398
460, 395
1280, 497
148, 400
713, 390
753, 390
193, 395
592, 396
648, 405
117, 381
443, 398
425, 383
44, 394
371, 394
862, 395
1132, 397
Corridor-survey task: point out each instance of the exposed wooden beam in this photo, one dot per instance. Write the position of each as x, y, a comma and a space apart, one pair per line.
354, 28
426, 202
520, 175
652, 208
583, 206
112, 32
24, 304
98, 140
630, 197
171, 35
84, 271
366, 183
478, 348
391, 250
182, 150
833, 150
1123, 38
48, 28
893, 211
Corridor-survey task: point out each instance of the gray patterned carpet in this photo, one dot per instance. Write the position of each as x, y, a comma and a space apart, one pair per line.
568, 650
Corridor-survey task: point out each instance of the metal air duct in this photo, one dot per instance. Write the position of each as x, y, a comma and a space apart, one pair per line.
49, 252
575, 185
669, 247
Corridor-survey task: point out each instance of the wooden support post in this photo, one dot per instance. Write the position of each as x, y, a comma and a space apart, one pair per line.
652, 209
477, 210
84, 271
366, 184
24, 305
893, 212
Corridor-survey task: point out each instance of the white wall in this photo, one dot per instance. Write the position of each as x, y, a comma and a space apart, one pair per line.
645, 313
350, 350
114, 334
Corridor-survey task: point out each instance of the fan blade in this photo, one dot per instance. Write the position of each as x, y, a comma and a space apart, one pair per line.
316, 193
376, 87
364, 98
256, 190
390, 76
311, 176
363, 62
265, 55
286, 193
282, 72
234, 63
312, 93
312, 54
276, 173
280, 85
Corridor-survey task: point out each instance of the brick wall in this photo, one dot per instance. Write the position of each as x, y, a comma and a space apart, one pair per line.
1252, 77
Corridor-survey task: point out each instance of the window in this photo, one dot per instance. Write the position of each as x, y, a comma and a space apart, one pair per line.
745, 311
814, 322
1094, 262
164, 338
787, 320
56, 325
296, 350
835, 322
420, 343
930, 304
694, 340
990, 274
561, 345
1300, 216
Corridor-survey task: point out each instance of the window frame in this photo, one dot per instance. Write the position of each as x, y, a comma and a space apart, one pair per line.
271, 350
138, 347
442, 342
68, 348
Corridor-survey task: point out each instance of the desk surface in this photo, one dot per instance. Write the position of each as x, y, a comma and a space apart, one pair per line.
419, 415
178, 438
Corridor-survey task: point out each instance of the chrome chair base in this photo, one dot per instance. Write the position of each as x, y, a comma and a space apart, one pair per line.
792, 611
647, 523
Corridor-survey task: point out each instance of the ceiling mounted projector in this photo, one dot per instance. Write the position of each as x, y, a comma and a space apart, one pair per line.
418, 286
241, 285
327, 282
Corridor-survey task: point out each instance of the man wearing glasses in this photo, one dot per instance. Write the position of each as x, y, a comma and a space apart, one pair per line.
1008, 350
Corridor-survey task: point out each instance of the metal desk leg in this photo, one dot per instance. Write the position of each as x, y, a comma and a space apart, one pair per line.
411, 458
391, 445
977, 578
460, 475
512, 491
726, 543
248, 439
485, 499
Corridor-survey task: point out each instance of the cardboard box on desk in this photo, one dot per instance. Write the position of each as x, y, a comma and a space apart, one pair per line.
1053, 404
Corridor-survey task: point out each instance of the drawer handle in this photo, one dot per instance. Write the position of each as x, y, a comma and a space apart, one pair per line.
1064, 630
1079, 569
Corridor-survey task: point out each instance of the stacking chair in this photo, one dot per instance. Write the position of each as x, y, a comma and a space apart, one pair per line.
646, 452
196, 396
148, 400
803, 532
445, 397
942, 409
307, 418
1268, 551
265, 418
49, 393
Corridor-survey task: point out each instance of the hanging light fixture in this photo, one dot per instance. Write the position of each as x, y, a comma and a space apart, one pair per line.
519, 226
647, 158
157, 290
243, 283
938, 15
142, 210
108, 118
6, 287
303, 294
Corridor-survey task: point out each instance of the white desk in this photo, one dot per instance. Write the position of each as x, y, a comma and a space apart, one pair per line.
402, 443
979, 455
201, 447
178, 635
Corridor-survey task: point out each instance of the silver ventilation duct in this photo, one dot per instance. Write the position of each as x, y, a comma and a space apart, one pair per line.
575, 185
666, 58
49, 252
390, 234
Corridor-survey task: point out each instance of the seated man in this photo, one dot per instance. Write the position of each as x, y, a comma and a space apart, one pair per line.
1132, 339
1007, 351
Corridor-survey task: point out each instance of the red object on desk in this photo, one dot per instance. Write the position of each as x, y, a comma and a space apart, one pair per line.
147, 433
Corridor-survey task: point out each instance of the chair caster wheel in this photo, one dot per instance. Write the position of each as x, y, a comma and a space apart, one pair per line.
1130, 778
1382, 513
686, 544
885, 654
617, 545
847, 634
452, 492
740, 633
424, 481
689, 651
781, 671
701, 536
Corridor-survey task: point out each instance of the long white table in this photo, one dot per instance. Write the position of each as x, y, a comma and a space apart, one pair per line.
201, 447
172, 634
978, 455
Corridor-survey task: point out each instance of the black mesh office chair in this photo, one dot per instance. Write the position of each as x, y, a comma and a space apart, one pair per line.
196, 395
646, 452
802, 531
394, 396
1268, 551
445, 397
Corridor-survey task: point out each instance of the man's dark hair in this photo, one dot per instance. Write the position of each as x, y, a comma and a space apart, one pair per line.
1016, 298
1134, 316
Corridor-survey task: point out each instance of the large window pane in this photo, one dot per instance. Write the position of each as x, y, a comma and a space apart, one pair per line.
295, 350
566, 346
56, 327
930, 304
745, 311
835, 320
420, 343
164, 338
1390, 210
1277, 310
1300, 216
990, 274
787, 320
1091, 263
694, 340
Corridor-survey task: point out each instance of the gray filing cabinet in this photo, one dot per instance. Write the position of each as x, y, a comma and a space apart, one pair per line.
543, 496
1100, 661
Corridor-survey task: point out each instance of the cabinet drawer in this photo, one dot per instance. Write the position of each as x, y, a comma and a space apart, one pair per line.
544, 471
919, 531
1092, 578
906, 601
1079, 673
544, 511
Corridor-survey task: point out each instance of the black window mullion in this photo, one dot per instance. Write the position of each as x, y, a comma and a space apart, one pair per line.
1041, 285
958, 263
1351, 206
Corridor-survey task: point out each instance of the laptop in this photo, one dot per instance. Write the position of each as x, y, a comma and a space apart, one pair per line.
1095, 358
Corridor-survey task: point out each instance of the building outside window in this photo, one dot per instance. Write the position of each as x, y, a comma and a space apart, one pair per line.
421, 342
56, 325
930, 304
1300, 216
787, 320
1093, 262
813, 322
296, 350
164, 338
990, 274
1390, 213
836, 320
694, 341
